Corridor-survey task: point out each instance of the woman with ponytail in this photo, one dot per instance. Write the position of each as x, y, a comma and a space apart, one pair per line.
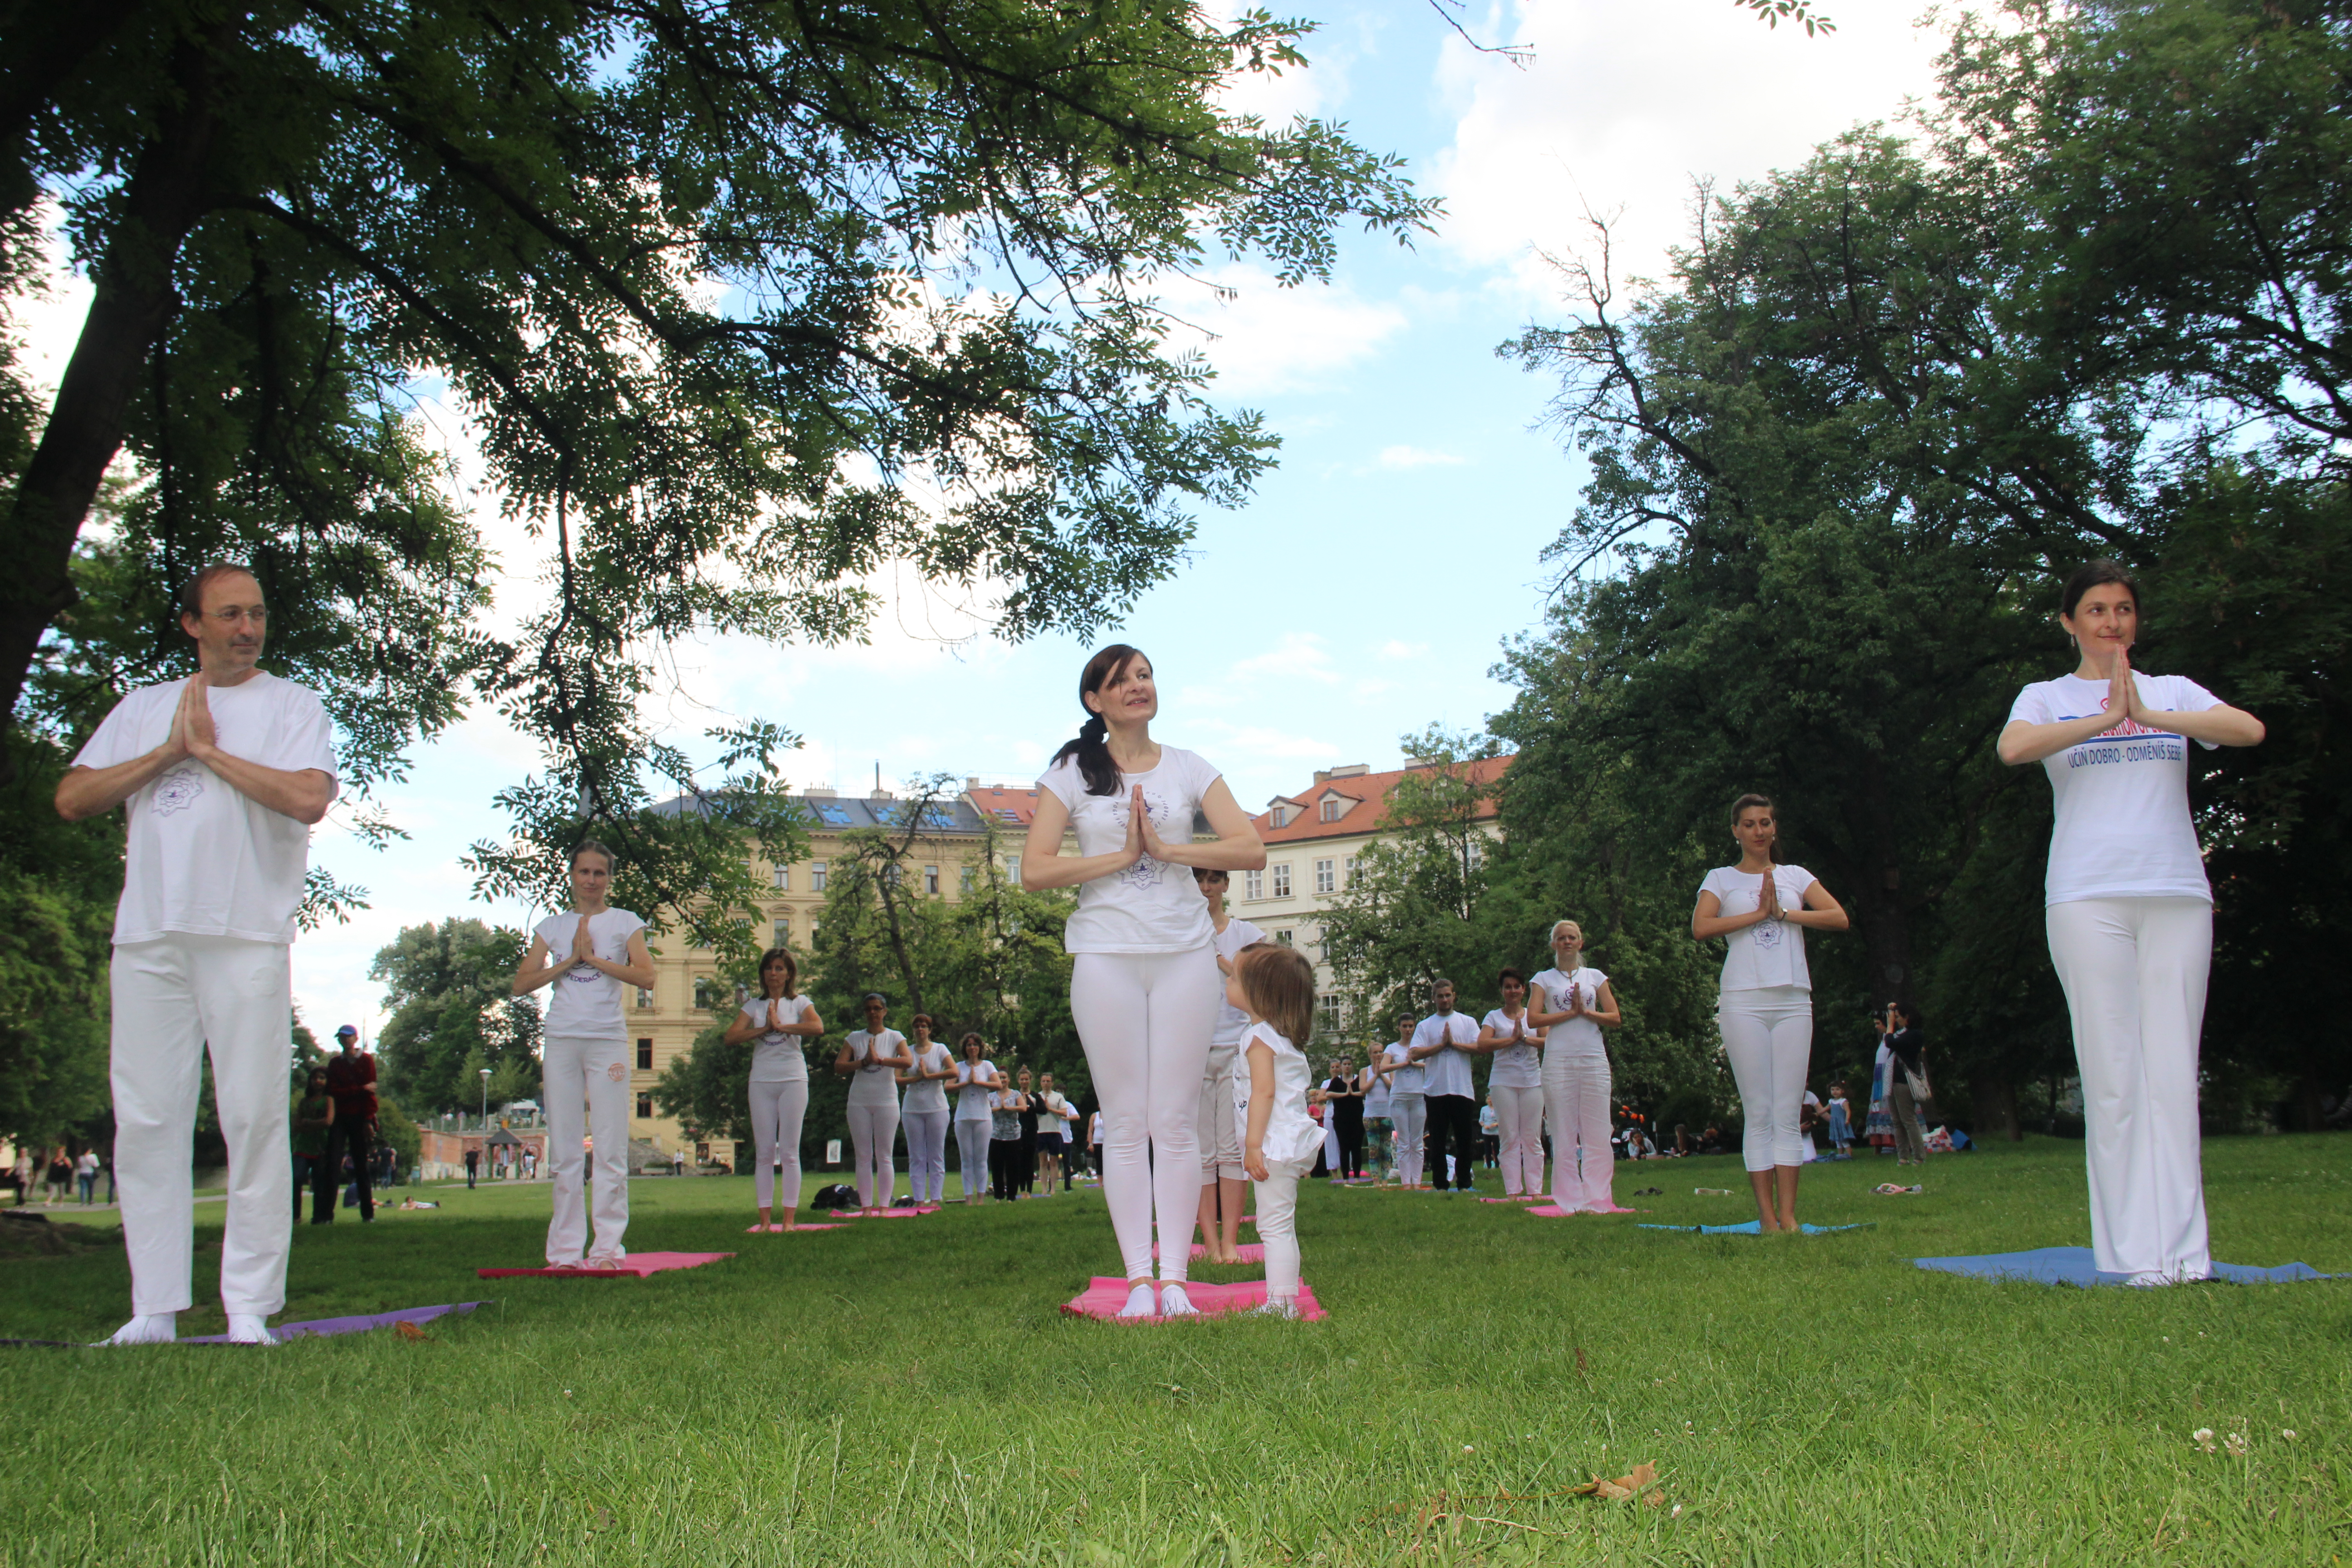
1144, 983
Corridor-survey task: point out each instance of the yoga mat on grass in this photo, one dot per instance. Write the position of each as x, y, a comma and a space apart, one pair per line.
2077, 1266
636, 1265
319, 1328
1553, 1211
1753, 1227
779, 1230
1250, 1251
1106, 1294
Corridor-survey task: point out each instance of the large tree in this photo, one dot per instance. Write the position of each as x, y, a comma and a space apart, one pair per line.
454, 1013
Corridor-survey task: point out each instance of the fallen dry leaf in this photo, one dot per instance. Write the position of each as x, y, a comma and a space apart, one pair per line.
1623, 1486
411, 1331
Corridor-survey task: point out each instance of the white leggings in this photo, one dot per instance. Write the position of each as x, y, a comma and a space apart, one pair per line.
1576, 1098
1767, 1033
971, 1154
777, 1109
1278, 1226
1410, 1114
873, 1137
2134, 972
1146, 1021
1518, 1121
927, 1153
587, 1082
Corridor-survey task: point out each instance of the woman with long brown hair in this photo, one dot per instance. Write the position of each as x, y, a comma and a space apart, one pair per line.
782, 1021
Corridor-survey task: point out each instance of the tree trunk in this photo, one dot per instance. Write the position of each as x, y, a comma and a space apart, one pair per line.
1996, 1108
167, 193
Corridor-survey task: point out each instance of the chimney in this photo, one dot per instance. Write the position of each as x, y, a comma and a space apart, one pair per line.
1322, 775
820, 791
971, 783
1351, 771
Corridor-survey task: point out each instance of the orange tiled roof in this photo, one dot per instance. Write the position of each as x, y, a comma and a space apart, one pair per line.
1006, 805
1365, 798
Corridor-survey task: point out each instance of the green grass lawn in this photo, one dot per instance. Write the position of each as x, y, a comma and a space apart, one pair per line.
904, 1392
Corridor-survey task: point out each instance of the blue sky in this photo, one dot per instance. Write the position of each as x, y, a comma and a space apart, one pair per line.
1364, 591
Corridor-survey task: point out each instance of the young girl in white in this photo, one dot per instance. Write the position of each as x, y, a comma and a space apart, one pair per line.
925, 1113
873, 1057
1276, 986
1572, 1004
976, 1084
589, 953
781, 1020
1515, 1086
1143, 978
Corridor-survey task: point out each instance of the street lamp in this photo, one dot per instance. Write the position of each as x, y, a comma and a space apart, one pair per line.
485, 1096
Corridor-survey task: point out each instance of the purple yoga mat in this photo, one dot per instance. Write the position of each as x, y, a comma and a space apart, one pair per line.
323, 1326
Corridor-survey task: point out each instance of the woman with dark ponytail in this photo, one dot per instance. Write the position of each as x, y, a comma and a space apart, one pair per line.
1144, 985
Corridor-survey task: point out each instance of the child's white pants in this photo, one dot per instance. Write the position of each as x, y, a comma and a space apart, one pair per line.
1767, 1033
2134, 971
1146, 1020
873, 1138
174, 998
777, 1111
1278, 1226
1518, 1127
1410, 1114
1576, 1098
594, 1075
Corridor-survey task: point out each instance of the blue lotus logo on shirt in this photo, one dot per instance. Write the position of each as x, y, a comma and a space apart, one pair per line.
177, 791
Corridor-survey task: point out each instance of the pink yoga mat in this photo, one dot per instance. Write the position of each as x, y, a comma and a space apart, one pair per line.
636, 1265
1105, 1295
1251, 1252
779, 1230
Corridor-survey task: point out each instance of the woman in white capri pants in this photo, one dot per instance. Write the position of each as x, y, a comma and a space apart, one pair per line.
873, 1057
781, 1020
1143, 982
1766, 1005
1515, 1087
1572, 1004
976, 1079
925, 1111
2130, 918
588, 954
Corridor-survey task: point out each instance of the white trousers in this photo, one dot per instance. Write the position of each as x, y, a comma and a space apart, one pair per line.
1277, 1225
587, 1089
927, 1153
971, 1154
1576, 1099
1220, 1139
1146, 1020
1410, 1114
2134, 972
778, 1111
1767, 1033
873, 1140
1519, 1126
175, 998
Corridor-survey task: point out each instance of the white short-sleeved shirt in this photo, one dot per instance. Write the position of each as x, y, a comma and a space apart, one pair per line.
972, 1092
1769, 953
776, 1056
585, 1004
1152, 906
1581, 1037
872, 1083
1376, 1100
202, 857
1050, 1120
1231, 1022
1515, 1067
2122, 828
1449, 1070
1408, 1079
929, 1094
1292, 1136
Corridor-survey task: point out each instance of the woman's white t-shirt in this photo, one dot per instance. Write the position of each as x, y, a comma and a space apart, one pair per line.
872, 1083
1377, 1102
973, 1094
585, 1004
1153, 906
1408, 1079
1577, 1037
1769, 953
1515, 1067
929, 1094
1231, 1022
2122, 797
778, 1058
1292, 1136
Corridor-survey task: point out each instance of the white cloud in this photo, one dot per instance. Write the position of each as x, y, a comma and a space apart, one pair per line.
1418, 457
1262, 338
1404, 651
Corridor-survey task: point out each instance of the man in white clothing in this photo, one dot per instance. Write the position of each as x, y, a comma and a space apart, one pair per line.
222, 776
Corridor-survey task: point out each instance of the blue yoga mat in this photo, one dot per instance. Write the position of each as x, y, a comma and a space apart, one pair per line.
1754, 1227
2074, 1266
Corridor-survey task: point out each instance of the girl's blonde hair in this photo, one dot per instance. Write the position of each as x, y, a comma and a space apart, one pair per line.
1280, 984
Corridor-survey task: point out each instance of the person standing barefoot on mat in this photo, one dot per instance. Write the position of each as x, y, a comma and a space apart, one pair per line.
2130, 918
589, 954
1408, 1106
976, 1084
1275, 985
925, 1114
1572, 1004
1143, 984
873, 1057
1224, 1184
782, 1021
1437, 1042
221, 777
1515, 1086
1765, 1007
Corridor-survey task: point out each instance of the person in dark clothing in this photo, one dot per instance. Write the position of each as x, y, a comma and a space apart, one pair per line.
1907, 1084
314, 1116
473, 1164
1344, 1105
350, 1079
1028, 1173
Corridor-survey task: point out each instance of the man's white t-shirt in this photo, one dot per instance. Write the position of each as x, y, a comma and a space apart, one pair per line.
776, 1056
972, 1093
1515, 1067
1409, 1078
872, 1083
1448, 1072
2123, 829
203, 858
1769, 953
1231, 1022
1577, 1037
585, 1004
929, 1094
1152, 906
1053, 1114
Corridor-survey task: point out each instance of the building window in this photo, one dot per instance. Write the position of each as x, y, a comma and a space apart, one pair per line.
1348, 872
645, 1055
1281, 871
1327, 1013
817, 876
644, 998
1283, 936
783, 932
784, 878
706, 993
1476, 854
1327, 879
645, 1106
1253, 884
965, 876
1013, 868
1333, 809
813, 924
931, 880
